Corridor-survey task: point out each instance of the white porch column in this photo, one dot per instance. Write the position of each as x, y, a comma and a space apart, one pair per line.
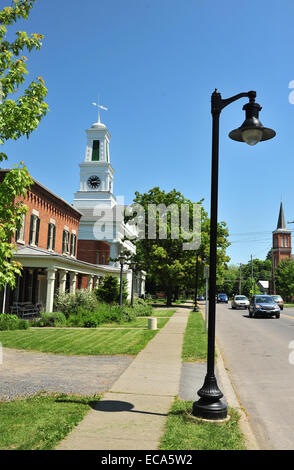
51, 274
96, 282
72, 282
89, 282
30, 284
62, 280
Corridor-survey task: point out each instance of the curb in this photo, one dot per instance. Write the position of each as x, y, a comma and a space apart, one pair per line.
232, 399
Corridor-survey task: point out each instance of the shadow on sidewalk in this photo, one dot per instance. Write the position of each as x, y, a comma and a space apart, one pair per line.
112, 406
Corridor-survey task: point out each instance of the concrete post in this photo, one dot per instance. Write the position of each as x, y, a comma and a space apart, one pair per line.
152, 323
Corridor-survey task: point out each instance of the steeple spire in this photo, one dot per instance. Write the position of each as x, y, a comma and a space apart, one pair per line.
281, 221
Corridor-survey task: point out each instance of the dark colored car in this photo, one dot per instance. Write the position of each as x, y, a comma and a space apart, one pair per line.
200, 297
222, 298
263, 305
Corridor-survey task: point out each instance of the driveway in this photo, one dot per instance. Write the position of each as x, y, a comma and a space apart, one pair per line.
24, 373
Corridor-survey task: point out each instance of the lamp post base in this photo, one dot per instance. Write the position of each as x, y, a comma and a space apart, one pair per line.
210, 410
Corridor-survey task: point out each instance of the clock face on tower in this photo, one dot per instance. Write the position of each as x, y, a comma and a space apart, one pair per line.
94, 182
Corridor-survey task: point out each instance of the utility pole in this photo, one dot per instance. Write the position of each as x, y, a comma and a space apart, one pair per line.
252, 276
240, 280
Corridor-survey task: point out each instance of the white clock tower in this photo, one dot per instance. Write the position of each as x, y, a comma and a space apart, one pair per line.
96, 172
96, 194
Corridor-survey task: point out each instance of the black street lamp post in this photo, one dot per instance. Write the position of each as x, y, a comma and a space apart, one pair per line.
122, 259
210, 405
133, 268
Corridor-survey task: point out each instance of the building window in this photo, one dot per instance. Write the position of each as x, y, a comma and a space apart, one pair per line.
65, 242
107, 152
51, 236
19, 236
95, 150
34, 230
286, 241
73, 243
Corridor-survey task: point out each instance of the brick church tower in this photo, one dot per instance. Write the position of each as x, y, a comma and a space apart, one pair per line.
281, 240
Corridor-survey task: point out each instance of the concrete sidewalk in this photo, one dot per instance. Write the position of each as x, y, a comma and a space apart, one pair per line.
132, 415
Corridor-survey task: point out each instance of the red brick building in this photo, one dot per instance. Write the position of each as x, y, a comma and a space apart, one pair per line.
282, 248
47, 247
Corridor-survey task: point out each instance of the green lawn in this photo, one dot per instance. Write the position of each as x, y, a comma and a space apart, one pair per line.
288, 305
183, 432
40, 422
80, 341
195, 339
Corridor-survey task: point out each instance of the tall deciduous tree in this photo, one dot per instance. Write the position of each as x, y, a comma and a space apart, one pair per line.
169, 266
18, 117
284, 275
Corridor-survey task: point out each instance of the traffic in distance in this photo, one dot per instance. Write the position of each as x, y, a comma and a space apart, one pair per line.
261, 305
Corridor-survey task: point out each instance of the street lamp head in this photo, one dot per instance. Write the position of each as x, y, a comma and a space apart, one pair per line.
122, 259
133, 265
252, 131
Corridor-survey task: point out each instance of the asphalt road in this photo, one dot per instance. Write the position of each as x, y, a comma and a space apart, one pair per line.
259, 356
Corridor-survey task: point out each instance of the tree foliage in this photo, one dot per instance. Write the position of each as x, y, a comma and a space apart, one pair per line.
261, 270
284, 276
19, 116
170, 267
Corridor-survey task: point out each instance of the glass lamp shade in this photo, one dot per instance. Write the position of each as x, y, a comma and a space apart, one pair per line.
252, 131
252, 136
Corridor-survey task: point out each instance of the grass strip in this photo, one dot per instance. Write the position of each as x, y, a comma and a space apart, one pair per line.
183, 432
41, 422
80, 341
195, 339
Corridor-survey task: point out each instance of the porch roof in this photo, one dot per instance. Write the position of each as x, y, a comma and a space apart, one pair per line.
30, 256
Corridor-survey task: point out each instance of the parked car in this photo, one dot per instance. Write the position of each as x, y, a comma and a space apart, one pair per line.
278, 299
263, 305
222, 298
200, 297
240, 301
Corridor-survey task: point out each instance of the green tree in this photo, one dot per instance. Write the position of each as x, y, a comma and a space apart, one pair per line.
108, 291
229, 282
170, 267
262, 271
284, 275
18, 117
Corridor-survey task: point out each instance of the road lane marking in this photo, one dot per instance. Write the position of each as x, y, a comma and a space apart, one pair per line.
288, 316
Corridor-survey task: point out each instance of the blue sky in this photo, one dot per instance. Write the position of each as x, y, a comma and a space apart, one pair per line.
154, 64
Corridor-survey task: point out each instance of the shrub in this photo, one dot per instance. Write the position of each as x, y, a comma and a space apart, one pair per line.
52, 319
12, 322
127, 314
23, 324
141, 308
69, 303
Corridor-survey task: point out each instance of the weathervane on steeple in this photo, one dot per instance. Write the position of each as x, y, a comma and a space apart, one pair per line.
99, 106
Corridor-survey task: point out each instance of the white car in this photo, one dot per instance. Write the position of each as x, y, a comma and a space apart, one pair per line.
240, 301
